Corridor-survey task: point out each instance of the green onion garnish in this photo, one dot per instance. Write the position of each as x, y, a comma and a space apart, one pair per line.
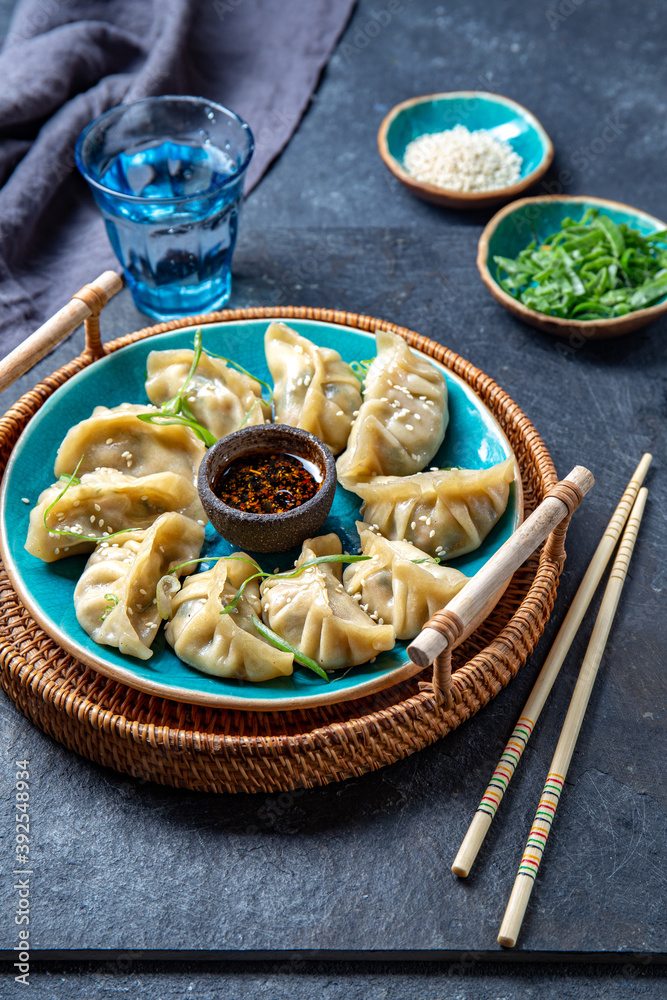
287, 647
112, 601
74, 480
588, 270
260, 574
177, 411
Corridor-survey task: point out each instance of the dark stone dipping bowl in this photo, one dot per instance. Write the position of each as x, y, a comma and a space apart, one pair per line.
267, 532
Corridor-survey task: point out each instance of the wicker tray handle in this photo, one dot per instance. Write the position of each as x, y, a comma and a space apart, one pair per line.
84, 307
441, 633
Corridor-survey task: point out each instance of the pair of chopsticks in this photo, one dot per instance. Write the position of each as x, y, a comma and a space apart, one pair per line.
630, 510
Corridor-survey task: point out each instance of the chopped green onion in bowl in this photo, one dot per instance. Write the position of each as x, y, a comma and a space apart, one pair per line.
588, 270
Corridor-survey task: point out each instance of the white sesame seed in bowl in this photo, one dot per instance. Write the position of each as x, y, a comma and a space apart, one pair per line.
464, 149
460, 160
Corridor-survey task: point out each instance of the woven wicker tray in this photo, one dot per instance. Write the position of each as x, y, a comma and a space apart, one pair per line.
210, 749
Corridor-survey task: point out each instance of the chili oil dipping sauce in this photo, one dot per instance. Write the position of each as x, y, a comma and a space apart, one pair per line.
267, 482
267, 488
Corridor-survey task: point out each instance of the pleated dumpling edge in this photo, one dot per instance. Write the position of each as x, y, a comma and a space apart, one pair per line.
403, 418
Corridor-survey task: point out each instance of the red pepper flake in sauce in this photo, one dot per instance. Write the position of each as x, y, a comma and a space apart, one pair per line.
267, 483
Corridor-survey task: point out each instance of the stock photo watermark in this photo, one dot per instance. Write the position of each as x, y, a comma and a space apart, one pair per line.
281, 123
40, 19
275, 809
225, 7
636, 968
580, 159
565, 9
21, 871
365, 33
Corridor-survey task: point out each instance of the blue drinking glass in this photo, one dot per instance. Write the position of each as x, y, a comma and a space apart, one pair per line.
167, 174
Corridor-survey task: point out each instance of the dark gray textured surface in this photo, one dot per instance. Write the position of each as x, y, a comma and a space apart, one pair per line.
465, 979
365, 865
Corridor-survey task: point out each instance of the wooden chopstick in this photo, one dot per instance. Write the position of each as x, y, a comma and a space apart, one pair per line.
553, 787
512, 753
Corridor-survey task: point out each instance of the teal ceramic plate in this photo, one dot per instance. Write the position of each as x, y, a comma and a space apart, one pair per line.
513, 227
503, 118
473, 440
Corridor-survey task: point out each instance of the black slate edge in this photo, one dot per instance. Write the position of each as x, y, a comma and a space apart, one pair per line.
328, 954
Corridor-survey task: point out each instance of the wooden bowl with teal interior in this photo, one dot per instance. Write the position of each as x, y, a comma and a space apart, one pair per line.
515, 226
503, 118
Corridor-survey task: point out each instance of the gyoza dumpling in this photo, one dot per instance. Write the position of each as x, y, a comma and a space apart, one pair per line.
314, 388
400, 584
403, 418
115, 439
115, 599
445, 513
221, 398
102, 503
315, 614
226, 645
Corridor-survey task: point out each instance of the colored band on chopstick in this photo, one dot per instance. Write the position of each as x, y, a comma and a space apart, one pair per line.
506, 766
537, 837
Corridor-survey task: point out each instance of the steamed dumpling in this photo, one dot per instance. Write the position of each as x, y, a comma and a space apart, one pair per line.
115, 598
116, 439
313, 612
445, 513
226, 645
220, 397
400, 584
403, 418
314, 388
102, 503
